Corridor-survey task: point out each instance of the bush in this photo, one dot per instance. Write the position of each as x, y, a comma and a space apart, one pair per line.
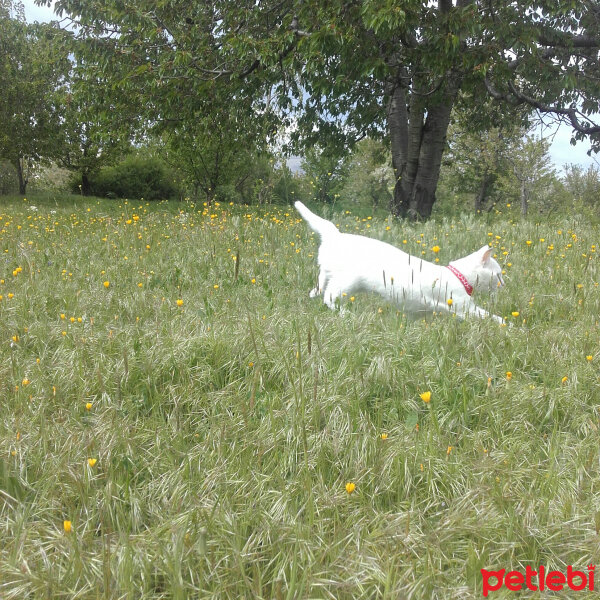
135, 177
8, 178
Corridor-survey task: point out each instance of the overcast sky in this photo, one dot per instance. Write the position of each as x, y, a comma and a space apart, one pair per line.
561, 150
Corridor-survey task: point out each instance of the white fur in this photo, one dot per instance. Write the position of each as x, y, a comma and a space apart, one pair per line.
352, 263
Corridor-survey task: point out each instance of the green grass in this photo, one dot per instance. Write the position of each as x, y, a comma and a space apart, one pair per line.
226, 429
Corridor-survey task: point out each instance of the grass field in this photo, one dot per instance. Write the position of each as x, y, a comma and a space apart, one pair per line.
172, 396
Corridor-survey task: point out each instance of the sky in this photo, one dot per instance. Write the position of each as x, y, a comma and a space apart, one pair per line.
561, 151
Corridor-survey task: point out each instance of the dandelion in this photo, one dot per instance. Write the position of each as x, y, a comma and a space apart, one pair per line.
449, 301
15, 338
564, 379
589, 358
67, 525
350, 487
179, 302
92, 461
25, 381
426, 397
529, 242
106, 284
515, 313
508, 375
216, 286
435, 249
449, 450
384, 436
88, 406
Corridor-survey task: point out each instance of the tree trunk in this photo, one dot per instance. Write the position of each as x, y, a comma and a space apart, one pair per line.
482, 193
418, 139
21, 175
85, 184
524, 203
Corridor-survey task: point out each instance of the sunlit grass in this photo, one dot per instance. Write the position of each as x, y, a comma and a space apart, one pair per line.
181, 420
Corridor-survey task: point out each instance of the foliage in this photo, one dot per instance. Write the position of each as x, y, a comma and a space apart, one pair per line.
350, 69
325, 170
531, 176
93, 134
8, 178
475, 160
31, 72
216, 151
225, 429
52, 178
288, 187
134, 177
369, 180
583, 185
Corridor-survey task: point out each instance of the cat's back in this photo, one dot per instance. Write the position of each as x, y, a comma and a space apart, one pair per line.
361, 249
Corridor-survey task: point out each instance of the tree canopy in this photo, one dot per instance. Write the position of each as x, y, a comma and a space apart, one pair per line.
340, 70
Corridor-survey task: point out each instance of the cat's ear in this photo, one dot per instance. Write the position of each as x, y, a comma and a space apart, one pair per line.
485, 253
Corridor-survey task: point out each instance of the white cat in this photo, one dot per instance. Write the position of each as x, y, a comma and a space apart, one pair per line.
352, 263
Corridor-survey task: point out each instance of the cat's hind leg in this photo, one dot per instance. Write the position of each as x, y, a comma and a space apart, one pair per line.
321, 285
333, 293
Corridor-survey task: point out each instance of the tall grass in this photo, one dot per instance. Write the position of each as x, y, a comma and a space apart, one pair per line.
226, 426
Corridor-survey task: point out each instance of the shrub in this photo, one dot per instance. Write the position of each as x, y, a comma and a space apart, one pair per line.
135, 177
8, 178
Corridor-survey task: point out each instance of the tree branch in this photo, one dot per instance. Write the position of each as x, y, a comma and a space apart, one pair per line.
570, 113
570, 41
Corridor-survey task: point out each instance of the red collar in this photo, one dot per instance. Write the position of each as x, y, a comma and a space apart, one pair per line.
468, 287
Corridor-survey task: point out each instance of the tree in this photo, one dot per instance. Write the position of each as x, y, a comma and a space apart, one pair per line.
370, 178
217, 147
92, 133
356, 68
325, 171
583, 185
475, 160
531, 172
31, 72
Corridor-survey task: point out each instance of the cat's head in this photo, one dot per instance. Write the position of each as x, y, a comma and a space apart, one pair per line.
481, 270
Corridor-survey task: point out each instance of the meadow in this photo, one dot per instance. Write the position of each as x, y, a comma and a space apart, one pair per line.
179, 420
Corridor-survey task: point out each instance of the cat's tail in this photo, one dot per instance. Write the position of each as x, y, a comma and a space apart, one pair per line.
320, 226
